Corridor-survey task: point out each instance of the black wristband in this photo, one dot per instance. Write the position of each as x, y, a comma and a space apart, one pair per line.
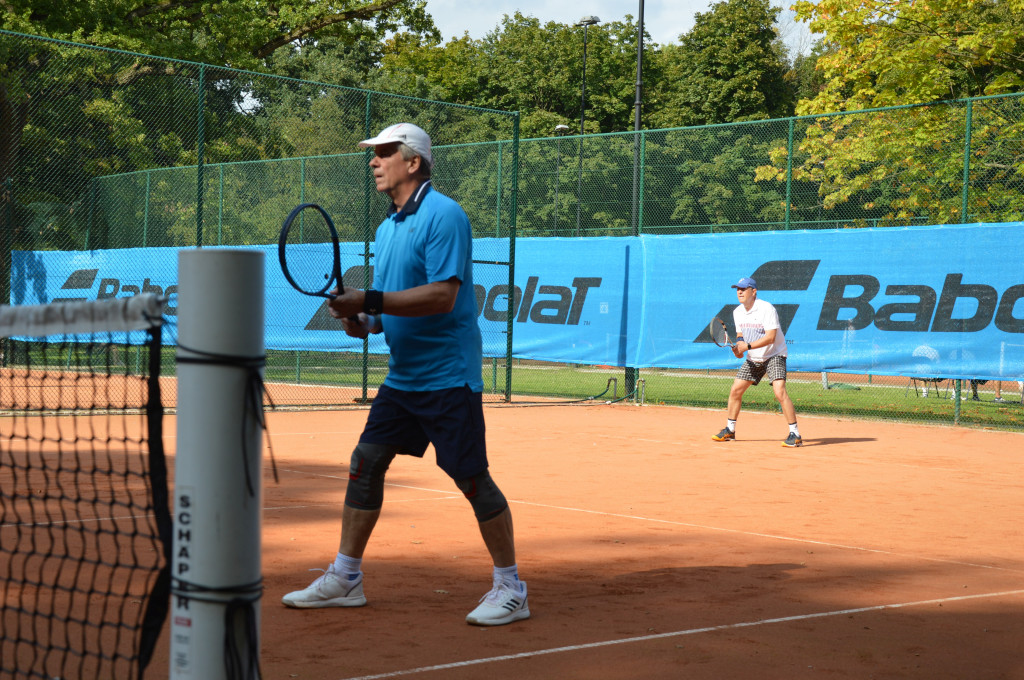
373, 303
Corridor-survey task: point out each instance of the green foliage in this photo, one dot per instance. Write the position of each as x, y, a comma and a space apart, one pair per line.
730, 67
711, 177
235, 33
528, 67
909, 165
888, 53
805, 78
72, 114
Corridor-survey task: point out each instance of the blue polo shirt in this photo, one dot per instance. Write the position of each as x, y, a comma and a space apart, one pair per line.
430, 240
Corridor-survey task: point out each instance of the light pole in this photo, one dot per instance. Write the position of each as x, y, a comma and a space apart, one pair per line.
560, 130
632, 374
586, 22
635, 221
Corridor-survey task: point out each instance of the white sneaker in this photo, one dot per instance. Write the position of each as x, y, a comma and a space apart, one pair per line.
504, 604
329, 590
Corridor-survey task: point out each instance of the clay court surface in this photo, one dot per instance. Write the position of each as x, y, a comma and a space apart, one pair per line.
874, 551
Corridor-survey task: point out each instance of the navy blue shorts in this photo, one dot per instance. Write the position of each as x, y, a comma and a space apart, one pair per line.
451, 419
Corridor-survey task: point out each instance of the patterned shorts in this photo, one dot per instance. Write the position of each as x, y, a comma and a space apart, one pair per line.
774, 368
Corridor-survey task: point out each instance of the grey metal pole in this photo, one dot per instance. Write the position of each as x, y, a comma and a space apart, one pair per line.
585, 22
639, 69
631, 375
583, 88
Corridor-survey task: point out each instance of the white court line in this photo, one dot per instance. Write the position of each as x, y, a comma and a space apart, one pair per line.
755, 534
806, 455
445, 495
771, 536
681, 633
345, 477
339, 503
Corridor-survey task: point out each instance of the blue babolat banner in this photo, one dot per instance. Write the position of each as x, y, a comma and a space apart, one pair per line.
938, 301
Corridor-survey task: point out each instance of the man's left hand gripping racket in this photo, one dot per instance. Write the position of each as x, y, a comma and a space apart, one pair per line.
308, 266
720, 334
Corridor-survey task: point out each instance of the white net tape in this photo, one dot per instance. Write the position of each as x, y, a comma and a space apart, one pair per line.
89, 316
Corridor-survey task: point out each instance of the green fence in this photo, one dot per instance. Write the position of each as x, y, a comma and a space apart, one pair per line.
957, 162
103, 149
950, 162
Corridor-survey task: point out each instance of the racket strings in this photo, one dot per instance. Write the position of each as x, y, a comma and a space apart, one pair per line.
719, 333
308, 251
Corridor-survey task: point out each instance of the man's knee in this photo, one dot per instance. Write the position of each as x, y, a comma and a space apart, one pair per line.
484, 495
366, 472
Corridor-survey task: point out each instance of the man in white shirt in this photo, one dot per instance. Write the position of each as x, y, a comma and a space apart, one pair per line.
760, 337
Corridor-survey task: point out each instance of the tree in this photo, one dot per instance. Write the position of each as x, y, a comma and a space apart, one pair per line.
730, 67
910, 164
70, 115
890, 53
527, 67
805, 78
235, 33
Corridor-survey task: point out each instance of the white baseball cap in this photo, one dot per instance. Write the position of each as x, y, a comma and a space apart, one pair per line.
411, 135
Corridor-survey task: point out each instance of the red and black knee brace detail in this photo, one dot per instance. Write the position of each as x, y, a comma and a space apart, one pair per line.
366, 472
484, 495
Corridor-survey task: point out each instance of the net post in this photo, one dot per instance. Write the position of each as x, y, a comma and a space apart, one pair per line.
216, 568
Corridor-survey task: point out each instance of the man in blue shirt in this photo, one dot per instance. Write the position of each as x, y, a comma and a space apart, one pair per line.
423, 301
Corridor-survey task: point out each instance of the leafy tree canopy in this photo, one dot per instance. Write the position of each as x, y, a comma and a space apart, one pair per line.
730, 67
235, 33
893, 52
882, 53
528, 67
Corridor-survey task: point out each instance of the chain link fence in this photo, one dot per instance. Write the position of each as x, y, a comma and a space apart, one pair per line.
102, 149
951, 162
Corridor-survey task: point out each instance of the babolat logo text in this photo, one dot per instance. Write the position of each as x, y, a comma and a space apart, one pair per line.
563, 308
933, 311
84, 280
549, 304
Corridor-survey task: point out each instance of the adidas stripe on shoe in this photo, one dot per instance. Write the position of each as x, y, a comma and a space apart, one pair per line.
505, 603
329, 590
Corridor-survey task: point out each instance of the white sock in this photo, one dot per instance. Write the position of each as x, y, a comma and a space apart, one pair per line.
509, 575
349, 567
793, 430
731, 424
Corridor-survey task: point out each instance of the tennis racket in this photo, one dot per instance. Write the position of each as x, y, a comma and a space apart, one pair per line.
309, 253
720, 334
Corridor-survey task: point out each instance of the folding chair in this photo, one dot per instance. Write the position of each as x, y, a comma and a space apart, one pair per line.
922, 385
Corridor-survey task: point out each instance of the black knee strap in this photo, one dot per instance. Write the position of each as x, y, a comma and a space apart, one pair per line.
366, 472
484, 495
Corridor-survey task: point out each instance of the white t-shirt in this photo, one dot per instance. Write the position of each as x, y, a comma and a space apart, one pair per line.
753, 326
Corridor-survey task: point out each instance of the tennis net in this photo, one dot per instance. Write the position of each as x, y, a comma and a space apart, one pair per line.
85, 526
